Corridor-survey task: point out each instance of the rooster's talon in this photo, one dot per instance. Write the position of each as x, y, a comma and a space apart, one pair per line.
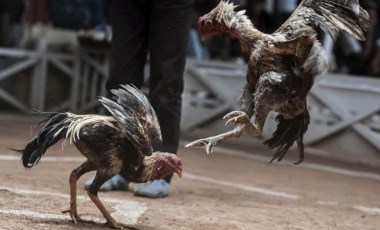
208, 143
242, 118
74, 216
196, 143
233, 114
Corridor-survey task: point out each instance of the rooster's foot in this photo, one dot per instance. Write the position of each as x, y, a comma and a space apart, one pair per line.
208, 142
116, 225
236, 117
74, 216
241, 118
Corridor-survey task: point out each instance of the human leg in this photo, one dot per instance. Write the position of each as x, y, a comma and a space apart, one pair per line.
130, 23
168, 41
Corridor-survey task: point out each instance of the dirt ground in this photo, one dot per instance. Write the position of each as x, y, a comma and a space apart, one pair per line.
217, 191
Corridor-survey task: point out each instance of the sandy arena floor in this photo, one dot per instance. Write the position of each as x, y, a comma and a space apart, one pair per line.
218, 191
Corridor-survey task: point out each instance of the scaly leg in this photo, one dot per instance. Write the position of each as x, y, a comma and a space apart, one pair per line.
74, 176
238, 118
300, 150
93, 194
212, 141
300, 144
73, 200
111, 222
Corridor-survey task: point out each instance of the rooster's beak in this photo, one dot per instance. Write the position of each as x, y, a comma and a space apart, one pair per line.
179, 173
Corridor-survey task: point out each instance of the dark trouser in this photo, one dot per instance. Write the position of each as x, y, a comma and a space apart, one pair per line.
160, 27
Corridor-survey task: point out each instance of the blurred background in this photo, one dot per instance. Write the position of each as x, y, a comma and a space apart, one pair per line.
54, 55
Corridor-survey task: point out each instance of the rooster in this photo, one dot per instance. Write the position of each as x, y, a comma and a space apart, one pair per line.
282, 66
118, 144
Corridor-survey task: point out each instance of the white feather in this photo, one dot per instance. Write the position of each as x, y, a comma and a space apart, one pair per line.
74, 124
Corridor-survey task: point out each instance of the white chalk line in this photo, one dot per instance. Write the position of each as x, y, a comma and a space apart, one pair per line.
361, 208
126, 211
225, 183
62, 195
328, 203
233, 152
324, 168
226, 151
43, 215
249, 188
368, 210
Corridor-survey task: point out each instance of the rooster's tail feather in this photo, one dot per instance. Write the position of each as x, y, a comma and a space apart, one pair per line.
287, 132
53, 130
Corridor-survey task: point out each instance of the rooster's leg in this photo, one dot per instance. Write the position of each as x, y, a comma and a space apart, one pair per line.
111, 222
240, 117
212, 141
93, 194
74, 176
300, 150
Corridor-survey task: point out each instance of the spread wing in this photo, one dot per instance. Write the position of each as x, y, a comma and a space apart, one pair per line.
333, 16
135, 116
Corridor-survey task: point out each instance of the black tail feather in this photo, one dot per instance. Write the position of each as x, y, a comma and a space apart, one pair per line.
49, 134
288, 131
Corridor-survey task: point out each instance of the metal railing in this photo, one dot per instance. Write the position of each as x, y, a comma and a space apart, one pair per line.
85, 69
39, 60
344, 109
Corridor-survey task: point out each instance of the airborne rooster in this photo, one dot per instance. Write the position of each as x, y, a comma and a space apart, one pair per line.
121, 143
282, 66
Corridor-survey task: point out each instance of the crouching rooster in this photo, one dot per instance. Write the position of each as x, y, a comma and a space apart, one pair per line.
282, 66
118, 144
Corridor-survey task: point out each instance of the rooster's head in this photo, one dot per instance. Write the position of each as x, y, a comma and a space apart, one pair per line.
222, 19
160, 164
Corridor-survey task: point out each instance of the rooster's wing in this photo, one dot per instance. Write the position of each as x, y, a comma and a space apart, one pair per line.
135, 116
333, 16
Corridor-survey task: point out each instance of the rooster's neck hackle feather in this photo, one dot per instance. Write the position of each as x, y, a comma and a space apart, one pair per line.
237, 24
149, 164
